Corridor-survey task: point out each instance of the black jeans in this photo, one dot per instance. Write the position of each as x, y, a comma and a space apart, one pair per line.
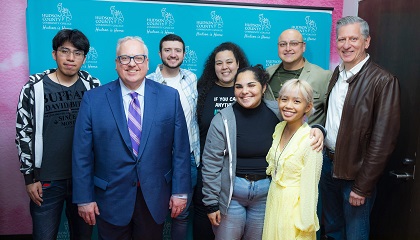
202, 227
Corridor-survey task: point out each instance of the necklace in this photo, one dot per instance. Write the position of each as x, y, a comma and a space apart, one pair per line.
62, 89
275, 153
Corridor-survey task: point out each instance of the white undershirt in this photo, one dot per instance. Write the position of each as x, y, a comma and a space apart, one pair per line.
175, 82
336, 102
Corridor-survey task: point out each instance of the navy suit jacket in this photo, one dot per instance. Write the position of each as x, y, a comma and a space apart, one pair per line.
106, 171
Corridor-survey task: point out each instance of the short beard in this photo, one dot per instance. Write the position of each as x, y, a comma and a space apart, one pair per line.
171, 67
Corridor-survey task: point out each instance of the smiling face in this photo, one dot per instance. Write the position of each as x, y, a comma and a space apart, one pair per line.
69, 65
351, 45
291, 56
132, 74
226, 67
248, 90
172, 54
293, 106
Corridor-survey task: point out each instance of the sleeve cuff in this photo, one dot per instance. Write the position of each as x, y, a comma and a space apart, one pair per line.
320, 127
181, 196
212, 208
29, 179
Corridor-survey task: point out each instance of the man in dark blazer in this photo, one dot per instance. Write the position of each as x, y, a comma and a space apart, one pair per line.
128, 191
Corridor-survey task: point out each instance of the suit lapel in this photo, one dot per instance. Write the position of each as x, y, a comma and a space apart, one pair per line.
304, 75
116, 104
149, 112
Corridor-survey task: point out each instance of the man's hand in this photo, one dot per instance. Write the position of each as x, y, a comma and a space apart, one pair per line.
215, 218
88, 212
356, 200
317, 137
177, 205
34, 191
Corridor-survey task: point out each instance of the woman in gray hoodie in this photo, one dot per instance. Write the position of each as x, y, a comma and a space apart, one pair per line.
234, 158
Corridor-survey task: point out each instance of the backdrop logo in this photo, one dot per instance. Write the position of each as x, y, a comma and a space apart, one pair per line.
270, 62
260, 30
309, 30
163, 25
190, 59
207, 28
64, 233
91, 59
62, 19
111, 23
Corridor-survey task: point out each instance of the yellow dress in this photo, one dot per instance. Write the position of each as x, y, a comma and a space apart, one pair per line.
293, 195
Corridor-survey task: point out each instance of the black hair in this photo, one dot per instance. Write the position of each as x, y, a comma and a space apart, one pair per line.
74, 36
209, 78
259, 73
172, 37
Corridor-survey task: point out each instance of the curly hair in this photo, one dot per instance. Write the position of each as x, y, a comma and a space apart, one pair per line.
208, 77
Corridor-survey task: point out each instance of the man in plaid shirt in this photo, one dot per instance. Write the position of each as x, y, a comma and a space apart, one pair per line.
172, 53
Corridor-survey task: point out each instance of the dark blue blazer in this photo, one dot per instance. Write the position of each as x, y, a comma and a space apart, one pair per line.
105, 169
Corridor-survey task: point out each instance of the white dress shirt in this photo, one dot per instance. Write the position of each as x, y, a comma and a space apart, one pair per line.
336, 102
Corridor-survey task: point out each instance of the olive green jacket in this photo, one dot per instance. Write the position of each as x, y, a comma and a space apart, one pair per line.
318, 78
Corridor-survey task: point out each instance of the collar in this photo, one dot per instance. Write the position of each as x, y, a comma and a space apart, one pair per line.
160, 79
126, 91
356, 68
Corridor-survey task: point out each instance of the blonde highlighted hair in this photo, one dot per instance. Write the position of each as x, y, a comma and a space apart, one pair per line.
299, 86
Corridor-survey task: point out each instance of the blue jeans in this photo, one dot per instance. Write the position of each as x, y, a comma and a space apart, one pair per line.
46, 218
342, 220
179, 228
245, 217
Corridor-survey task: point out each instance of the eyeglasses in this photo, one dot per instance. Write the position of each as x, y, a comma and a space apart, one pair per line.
65, 52
291, 44
125, 59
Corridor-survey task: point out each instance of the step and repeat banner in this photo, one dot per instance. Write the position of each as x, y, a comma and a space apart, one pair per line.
202, 25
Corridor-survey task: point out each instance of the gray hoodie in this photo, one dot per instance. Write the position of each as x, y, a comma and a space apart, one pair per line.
219, 157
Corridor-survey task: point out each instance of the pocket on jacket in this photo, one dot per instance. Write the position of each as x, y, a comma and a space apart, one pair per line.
168, 176
316, 95
163, 122
100, 183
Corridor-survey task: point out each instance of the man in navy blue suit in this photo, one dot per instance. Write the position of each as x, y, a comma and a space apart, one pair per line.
128, 191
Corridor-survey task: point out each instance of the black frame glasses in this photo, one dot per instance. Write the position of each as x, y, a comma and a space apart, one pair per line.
138, 59
291, 44
65, 52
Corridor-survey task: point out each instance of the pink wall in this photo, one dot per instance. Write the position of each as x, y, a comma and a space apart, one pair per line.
14, 202
14, 210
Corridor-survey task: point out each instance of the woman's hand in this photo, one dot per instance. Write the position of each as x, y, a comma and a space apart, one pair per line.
215, 218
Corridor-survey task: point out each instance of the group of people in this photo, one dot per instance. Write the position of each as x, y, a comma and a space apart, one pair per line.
253, 151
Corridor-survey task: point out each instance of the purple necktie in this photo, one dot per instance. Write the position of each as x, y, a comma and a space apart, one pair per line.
134, 122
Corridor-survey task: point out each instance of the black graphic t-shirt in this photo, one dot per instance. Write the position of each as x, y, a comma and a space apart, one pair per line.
217, 98
61, 106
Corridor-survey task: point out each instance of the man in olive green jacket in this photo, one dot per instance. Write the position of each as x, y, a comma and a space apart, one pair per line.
290, 50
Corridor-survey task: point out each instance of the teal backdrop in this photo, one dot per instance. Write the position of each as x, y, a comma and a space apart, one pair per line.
202, 25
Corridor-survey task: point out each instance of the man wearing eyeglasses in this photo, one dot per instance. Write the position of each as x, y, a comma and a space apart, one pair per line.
172, 53
46, 113
131, 154
290, 48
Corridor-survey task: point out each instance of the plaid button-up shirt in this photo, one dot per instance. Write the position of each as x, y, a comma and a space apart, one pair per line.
189, 89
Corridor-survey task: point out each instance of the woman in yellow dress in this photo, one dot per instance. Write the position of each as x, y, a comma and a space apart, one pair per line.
295, 169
